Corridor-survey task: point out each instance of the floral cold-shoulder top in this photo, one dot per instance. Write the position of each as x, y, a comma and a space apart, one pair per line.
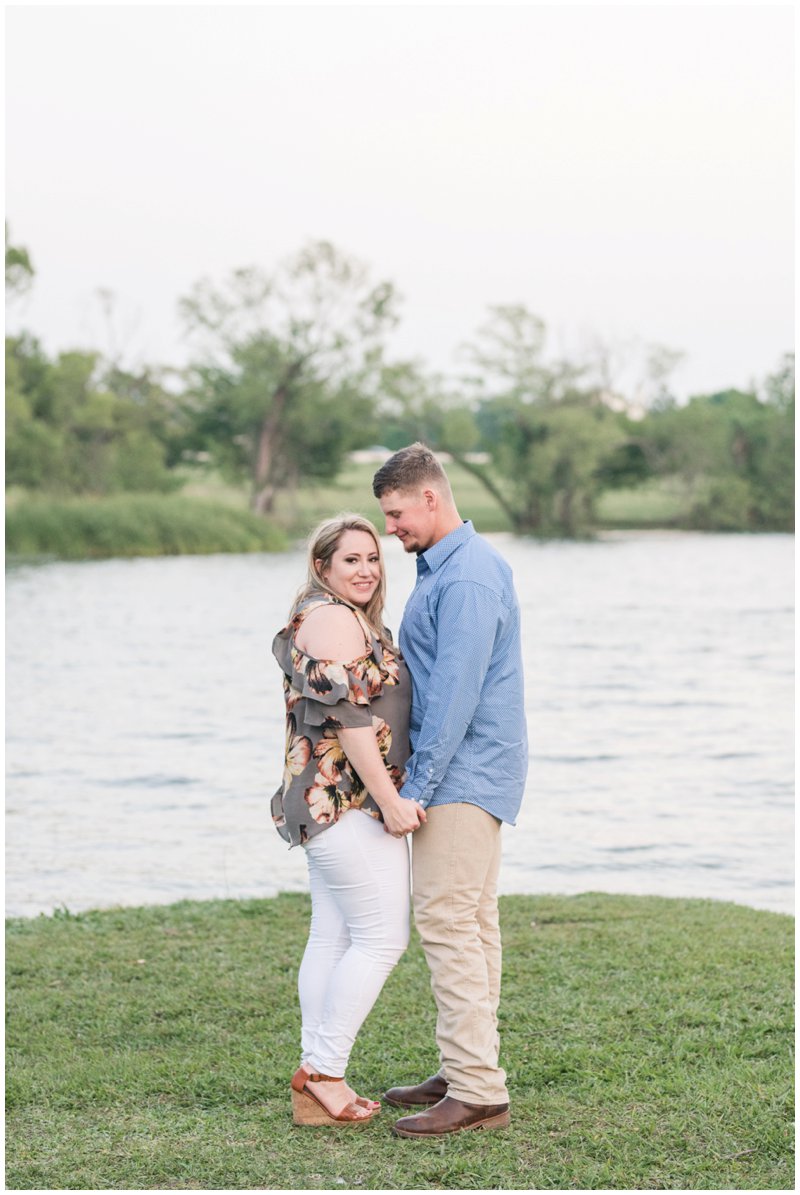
322, 697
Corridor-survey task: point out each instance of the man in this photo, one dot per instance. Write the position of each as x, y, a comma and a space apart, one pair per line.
460, 637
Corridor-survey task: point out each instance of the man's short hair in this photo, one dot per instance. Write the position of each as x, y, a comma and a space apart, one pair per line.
409, 469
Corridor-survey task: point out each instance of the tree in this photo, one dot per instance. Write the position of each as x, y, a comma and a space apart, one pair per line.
779, 386
774, 466
548, 461
546, 429
34, 448
733, 451
288, 375
418, 405
68, 432
150, 391
19, 269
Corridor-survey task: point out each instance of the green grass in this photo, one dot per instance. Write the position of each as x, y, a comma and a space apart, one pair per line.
660, 503
352, 490
665, 502
647, 1044
134, 525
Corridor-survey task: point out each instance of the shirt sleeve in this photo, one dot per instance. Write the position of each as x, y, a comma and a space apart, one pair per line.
335, 715
468, 618
327, 693
335, 695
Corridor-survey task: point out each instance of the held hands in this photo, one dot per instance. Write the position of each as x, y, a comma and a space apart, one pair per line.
400, 816
403, 817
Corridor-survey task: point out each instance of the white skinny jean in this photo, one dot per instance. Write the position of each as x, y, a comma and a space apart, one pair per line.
359, 878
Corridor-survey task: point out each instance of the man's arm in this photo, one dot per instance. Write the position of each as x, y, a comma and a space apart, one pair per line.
468, 618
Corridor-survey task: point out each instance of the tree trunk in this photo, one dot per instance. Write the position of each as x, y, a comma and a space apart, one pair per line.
264, 483
566, 516
263, 500
531, 520
264, 488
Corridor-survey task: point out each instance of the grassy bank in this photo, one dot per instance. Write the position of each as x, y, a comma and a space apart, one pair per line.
657, 504
134, 525
212, 516
352, 490
299, 510
647, 1044
665, 502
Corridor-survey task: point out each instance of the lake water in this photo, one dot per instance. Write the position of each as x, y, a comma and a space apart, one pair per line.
145, 723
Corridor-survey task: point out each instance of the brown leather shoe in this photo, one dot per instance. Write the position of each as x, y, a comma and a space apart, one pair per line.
421, 1096
451, 1116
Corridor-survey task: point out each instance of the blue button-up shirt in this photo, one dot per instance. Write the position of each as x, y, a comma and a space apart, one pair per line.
460, 637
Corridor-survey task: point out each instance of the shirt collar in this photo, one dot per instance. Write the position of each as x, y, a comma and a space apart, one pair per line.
436, 555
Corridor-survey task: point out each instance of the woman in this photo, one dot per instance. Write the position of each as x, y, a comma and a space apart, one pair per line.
348, 695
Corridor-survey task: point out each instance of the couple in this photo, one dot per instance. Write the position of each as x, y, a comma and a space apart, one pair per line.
353, 789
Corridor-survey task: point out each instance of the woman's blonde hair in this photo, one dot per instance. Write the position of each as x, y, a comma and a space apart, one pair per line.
322, 543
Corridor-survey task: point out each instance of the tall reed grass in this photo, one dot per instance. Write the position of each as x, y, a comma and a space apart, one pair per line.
134, 525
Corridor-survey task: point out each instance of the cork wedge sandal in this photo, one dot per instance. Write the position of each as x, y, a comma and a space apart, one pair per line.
343, 1106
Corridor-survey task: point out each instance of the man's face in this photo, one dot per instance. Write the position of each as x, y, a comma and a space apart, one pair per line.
411, 516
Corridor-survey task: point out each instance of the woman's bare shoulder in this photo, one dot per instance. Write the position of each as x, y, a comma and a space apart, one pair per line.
331, 632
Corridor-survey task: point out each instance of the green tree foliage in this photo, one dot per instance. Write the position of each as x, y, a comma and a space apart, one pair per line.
734, 451
416, 404
160, 409
547, 432
288, 373
287, 378
67, 431
19, 268
550, 456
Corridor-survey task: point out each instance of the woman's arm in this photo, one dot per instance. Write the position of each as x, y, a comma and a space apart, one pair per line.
332, 633
361, 748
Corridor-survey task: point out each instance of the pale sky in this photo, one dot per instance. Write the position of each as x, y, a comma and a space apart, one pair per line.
624, 171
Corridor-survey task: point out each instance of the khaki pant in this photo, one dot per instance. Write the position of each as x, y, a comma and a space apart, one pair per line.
455, 863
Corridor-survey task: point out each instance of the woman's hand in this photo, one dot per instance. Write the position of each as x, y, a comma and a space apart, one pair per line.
401, 817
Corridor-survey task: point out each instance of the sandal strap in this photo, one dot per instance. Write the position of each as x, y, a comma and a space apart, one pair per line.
301, 1076
337, 1100
343, 1100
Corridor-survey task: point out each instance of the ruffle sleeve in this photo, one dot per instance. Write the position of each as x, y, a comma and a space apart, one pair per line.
334, 694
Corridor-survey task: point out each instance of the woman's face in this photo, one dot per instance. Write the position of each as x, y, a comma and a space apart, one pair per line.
355, 568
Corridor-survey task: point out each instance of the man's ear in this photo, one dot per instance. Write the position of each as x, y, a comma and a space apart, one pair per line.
431, 499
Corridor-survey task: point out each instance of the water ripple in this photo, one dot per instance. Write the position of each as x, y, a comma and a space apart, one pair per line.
145, 725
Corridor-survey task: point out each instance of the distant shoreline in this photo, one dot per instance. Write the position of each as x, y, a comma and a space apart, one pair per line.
132, 525
64, 913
